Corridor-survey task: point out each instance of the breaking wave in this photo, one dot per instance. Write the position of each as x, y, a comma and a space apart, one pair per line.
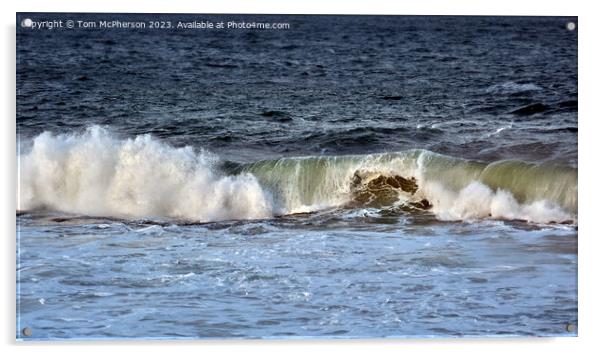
97, 174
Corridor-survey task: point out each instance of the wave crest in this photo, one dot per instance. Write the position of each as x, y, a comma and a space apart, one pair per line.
452, 188
97, 174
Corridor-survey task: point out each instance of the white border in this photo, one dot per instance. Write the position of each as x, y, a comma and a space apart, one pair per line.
423, 7
590, 115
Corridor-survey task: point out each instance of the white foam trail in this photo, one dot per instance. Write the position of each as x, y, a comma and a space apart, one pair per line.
498, 130
96, 174
512, 87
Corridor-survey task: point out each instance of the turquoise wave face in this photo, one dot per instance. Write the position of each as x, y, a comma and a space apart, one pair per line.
329, 181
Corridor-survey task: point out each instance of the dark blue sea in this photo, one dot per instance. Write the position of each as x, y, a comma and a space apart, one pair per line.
334, 177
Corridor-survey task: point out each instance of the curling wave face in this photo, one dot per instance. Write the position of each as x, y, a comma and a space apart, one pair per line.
97, 174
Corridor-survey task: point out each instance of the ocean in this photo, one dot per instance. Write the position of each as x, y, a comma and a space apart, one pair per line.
335, 177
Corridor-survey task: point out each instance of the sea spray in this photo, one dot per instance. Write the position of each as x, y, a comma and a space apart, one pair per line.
94, 173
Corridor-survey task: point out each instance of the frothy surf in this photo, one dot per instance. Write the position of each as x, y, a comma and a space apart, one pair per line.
97, 174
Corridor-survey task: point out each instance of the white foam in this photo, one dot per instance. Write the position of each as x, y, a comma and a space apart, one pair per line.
512, 87
96, 174
477, 201
498, 131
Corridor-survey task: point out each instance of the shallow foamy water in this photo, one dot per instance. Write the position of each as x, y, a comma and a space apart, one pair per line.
342, 274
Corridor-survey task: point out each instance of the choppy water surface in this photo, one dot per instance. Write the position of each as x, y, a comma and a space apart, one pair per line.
355, 274
349, 177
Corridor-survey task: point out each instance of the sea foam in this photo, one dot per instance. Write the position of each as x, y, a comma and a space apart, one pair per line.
94, 173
